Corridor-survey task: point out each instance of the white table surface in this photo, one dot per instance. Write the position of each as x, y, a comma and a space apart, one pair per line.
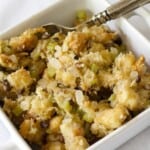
14, 11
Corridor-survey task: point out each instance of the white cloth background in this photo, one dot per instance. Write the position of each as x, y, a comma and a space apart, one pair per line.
14, 11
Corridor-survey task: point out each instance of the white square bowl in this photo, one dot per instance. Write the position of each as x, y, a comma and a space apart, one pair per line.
63, 12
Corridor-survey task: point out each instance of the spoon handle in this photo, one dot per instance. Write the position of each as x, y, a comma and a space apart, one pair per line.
116, 10
123, 7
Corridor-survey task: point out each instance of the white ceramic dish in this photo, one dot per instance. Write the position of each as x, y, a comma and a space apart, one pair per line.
63, 12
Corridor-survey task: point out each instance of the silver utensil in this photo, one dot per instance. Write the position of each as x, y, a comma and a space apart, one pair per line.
113, 12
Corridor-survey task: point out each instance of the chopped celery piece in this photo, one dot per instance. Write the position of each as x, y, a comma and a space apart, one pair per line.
112, 97
35, 55
52, 99
51, 46
94, 68
37, 68
81, 15
4, 48
51, 72
17, 111
87, 118
94, 82
80, 113
67, 107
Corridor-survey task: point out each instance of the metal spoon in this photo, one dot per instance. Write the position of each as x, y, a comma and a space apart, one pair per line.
114, 11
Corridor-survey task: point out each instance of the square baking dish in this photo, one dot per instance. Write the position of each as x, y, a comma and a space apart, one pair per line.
63, 12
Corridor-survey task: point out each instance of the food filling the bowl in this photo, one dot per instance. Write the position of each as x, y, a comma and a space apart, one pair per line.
65, 92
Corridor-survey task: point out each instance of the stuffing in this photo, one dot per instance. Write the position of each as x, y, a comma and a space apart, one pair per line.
128, 96
9, 62
112, 118
38, 107
67, 91
31, 130
54, 146
75, 41
99, 130
27, 41
101, 34
20, 79
55, 123
73, 132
